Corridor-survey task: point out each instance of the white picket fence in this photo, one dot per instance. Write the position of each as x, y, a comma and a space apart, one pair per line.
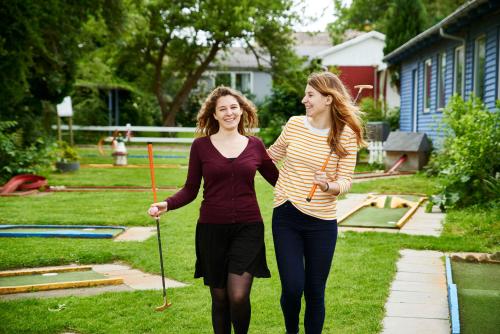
129, 129
376, 152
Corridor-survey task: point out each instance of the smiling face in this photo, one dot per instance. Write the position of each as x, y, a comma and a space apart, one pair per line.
228, 112
315, 102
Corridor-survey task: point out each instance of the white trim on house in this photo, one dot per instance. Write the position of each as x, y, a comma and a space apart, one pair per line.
213, 74
351, 42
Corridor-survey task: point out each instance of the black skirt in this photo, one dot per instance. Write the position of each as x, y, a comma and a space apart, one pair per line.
229, 248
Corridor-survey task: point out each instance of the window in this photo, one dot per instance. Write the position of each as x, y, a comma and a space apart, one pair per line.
458, 74
223, 79
427, 84
479, 61
441, 95
241, 81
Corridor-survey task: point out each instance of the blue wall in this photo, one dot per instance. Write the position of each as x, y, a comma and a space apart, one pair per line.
430, 122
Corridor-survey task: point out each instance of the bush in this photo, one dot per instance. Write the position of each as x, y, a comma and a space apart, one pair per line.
275, 112
373, 111
65, 153
469, 161
15, 158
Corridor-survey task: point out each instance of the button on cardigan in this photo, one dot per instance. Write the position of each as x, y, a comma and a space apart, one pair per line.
228, 184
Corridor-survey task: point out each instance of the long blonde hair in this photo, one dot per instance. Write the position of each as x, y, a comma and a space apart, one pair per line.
207, 125
342, 110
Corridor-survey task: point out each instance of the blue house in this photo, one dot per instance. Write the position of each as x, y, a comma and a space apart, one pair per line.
459, 55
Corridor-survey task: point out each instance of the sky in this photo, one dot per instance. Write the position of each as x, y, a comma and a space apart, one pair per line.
317, 13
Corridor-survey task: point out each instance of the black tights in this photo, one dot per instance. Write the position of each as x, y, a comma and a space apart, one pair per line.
232, 305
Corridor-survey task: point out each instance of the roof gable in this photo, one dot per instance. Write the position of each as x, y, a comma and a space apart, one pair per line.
352, 42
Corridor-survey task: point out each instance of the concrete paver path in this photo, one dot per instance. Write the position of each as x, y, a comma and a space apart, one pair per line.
418, 301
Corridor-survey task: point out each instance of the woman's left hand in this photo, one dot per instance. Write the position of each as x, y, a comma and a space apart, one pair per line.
321, 180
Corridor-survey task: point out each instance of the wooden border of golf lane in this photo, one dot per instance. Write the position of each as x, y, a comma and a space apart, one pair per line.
60, 285
410, 213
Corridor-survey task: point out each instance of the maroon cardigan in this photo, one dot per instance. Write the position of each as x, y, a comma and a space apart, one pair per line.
228, 184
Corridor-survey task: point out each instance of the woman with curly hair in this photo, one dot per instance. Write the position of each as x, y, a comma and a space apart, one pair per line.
305, 229
230, 248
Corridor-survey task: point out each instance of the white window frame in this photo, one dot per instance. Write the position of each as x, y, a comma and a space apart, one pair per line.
427, 85
441, 80
233, 78
455, 67
476, 65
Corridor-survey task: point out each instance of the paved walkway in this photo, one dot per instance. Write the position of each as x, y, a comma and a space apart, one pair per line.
418, 301
136, 234
421, 223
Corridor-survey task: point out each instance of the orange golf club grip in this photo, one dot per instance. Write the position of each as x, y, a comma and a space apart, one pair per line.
314, 186
152, 170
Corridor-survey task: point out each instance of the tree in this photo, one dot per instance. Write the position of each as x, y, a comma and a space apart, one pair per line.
360, 15
173, 42
374, 15
405, 19
39, 48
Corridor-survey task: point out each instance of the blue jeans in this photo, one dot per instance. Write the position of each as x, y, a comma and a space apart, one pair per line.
304, 247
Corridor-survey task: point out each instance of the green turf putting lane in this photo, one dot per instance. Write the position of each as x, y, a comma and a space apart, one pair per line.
375, 217
50, 278
478, 286
383, 211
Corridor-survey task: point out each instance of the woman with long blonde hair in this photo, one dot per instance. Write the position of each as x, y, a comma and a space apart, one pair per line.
230, 248
304, 229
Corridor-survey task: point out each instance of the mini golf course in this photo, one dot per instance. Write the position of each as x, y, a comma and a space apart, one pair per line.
383, 211
51, 279
478, 286
61, 231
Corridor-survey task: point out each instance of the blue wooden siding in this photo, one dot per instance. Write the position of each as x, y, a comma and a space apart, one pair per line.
405, 119
491, 69
430, 122
469, 67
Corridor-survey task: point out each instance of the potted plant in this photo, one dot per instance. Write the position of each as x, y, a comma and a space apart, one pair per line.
67, 158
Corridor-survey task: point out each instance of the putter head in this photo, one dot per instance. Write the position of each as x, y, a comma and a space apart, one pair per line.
165, 305
363, 87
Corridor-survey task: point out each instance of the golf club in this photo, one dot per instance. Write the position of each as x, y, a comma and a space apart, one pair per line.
157, 219
323, 168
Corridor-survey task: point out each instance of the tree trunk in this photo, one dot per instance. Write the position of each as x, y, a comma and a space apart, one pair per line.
158, 79
187, 86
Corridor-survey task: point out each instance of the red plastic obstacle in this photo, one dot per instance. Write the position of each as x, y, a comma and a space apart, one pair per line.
398, 163
28, 182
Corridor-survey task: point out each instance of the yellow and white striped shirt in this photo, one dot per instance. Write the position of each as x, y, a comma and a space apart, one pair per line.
304, 149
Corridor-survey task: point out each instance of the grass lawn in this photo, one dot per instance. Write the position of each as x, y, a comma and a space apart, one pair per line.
364, 263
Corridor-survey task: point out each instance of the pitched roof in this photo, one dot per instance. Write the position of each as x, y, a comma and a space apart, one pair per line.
310, 44
400, 141
356, 40
306, 44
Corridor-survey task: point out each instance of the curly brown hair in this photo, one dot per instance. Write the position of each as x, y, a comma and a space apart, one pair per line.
207, 125
342, 111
